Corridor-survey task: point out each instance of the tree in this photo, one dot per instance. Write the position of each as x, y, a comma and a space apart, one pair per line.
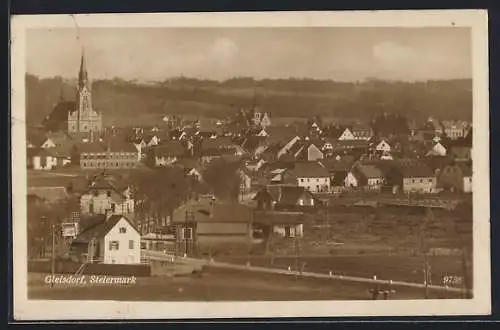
159, 191
223, 178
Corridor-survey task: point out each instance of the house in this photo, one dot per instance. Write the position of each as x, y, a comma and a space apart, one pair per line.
383, 147
455, 129
280, 223
288, 146
437, 150
104, 197
43, 159
53, 140
265, 121
351, 147
254, 165
369, 177
285, 198
168, 153
362, 131
417, 178
456, 177
313, 176
309, 152
211, 226
110, 240
346, 135
151, 140
191, 168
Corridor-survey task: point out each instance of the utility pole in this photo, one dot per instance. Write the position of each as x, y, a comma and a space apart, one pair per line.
53, 253
423, 239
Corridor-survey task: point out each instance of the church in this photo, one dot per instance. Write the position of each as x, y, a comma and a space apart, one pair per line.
76, 118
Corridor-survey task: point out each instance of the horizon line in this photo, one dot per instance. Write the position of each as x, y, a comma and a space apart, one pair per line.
291, 78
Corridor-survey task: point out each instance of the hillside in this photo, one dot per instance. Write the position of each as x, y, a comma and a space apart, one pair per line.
124, 102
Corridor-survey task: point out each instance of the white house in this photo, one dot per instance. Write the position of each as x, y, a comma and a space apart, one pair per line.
44, 160
437, 150
313, 176
101, 201
351, 180
265, 121
346, 135
383, 146
113, 240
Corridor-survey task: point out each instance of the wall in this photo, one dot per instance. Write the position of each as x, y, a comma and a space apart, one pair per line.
295, 230
102, 203
124, 255
467, 181
50, 162
419, 184
109, 160
314, 184
350, 180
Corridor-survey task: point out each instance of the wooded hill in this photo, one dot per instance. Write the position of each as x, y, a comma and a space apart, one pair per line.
129, 101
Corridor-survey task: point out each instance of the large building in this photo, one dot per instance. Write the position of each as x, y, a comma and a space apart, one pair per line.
84, 118
76, 117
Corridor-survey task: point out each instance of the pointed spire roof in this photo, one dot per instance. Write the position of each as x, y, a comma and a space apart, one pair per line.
83, 78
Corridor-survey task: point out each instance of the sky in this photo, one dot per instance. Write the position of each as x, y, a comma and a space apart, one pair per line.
337, 53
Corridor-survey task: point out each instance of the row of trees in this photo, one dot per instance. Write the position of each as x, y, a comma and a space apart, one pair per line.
280, 97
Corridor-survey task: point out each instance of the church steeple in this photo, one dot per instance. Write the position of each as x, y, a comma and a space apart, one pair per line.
83, 79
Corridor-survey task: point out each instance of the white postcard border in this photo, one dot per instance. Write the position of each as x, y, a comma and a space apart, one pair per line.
25, 309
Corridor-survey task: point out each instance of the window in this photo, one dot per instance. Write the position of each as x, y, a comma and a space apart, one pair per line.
131, 244
95, 193
123, 230
187, 233
114, 245
317, 180
421, 180
430, 180
108, 193
302, 180
113, 207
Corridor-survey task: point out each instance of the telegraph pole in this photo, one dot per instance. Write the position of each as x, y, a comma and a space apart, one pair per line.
53, 268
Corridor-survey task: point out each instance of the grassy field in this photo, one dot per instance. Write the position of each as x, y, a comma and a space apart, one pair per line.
396, 268
221, 285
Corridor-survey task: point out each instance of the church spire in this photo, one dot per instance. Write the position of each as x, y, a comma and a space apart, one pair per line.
83, 78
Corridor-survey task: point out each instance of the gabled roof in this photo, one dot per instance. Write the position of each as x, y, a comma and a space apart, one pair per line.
279, 217
416, 171
58, 118
291, 194
91, 147
169, 148
310, 169
101, 228
221, 212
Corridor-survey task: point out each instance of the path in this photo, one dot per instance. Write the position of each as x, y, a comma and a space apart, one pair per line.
200, 262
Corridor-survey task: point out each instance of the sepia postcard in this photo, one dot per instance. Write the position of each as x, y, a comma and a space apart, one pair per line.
250, 165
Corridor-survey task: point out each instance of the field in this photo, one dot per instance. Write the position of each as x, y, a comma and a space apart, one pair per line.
221, 285
396, 268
